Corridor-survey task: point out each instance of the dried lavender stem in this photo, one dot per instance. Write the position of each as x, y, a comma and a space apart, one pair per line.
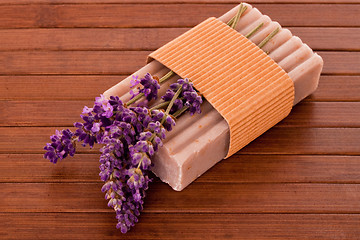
252, 32
171, 104
231, 21
267, 39
180, 111
238, 15
131, 101
163, 79
163, 104
166, 76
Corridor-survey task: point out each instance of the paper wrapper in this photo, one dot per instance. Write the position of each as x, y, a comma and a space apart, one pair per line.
250, 91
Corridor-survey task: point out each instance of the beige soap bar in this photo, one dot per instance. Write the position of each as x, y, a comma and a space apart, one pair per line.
198, 142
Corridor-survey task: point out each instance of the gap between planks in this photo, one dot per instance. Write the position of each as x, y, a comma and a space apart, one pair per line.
65, 113
277, 140
84, 168
20, 16
75, 39
127, 62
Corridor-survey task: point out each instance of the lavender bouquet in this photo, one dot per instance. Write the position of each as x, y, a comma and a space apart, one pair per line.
130, 133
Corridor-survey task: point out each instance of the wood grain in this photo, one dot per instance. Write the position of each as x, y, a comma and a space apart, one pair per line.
188, 226
196, 198
57, 87
18, 2
161, 15
59, 39
84, 168
65, 113
278, 140
299, 180
337, 88
125, 62
39, 87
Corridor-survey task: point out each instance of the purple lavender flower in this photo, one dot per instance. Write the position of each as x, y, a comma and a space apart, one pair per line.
158, 115
151, 86
131, 136
62, 144
134, 81
188, 97
193, 101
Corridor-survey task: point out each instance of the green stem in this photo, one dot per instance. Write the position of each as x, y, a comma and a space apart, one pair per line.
166, 76
163, 79
161, 105
267, 39
180, 111
238, 15
171, 104
252, 32
231, 21
137, 97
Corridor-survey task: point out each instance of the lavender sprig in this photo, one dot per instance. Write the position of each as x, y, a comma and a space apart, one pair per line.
190, 97
62, 144
131, 136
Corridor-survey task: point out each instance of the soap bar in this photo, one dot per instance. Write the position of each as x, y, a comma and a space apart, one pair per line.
200, 141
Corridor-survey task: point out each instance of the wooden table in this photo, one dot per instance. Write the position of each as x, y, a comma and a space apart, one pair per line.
300, 180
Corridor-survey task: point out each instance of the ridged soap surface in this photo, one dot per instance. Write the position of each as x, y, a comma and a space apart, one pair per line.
247, 87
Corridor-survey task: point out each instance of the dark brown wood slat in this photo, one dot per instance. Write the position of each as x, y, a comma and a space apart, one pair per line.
237, 169
197, 198
277, 140
152, 38
126, 62
9, 2
65, 113
34, 168
331, 88
56, 87
323, 114
162, 15
337, 88
187, 226
75, 62
87, 38
328, 38
306, 141
29, 140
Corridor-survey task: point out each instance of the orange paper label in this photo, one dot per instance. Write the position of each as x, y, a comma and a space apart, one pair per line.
236, 77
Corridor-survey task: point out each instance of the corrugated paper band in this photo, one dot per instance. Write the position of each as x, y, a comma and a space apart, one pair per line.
239, 80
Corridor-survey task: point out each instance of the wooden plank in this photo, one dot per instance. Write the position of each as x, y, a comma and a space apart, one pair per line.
126, 62
65, 113
18, 2
306, 141
57, 87
337, 88
323, 114
75, 62
328, 38
331, 88
128, 38
196, 198
34, 168
188, 226
84, 168
162, 15
278, 140
87, 38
